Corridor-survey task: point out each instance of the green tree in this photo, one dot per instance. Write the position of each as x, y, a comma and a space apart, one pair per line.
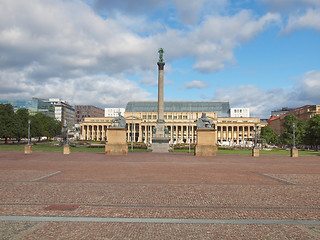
21, 124
269, 135
44, 125
312, 131
7, 121
287, 135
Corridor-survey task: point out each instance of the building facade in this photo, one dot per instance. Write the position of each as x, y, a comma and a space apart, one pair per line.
83, 111
63, 111
113, 112
181, 125
35, 105
240, 112
302, 113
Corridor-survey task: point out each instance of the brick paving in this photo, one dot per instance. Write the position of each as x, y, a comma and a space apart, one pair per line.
159, 186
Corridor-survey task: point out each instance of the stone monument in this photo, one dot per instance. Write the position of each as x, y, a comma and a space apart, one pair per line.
117, 143
206, 137
160, 142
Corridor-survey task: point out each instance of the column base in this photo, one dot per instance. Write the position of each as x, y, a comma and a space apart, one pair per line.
160, 145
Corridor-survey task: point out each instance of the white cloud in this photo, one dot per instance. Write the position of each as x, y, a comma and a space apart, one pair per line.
290, 4
66, 42
262, 102
310, 19
196, 84
309, 87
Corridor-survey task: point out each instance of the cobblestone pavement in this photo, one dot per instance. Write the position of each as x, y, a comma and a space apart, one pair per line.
176, 196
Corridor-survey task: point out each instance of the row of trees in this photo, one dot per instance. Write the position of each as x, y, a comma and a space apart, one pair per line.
306, 132
14, 125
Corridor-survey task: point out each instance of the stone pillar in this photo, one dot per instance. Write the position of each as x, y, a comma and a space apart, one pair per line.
160, 90
206, 142
160, 142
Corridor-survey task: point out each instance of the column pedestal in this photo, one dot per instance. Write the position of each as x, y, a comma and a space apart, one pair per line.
206, 143
117, 144
160, 143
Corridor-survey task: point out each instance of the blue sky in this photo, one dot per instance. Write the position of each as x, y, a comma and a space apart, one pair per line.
261, 54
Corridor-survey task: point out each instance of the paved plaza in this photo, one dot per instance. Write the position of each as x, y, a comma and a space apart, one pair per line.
48, 195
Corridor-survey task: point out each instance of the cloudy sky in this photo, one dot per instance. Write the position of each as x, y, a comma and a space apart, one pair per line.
261, 54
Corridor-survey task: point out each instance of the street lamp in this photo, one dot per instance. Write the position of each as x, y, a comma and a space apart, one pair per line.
255, 135
29, 131
294, 135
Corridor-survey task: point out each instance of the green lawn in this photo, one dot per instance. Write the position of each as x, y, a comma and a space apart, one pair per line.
49, 147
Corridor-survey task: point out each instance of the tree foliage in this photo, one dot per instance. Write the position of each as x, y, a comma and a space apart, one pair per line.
312, 131
7, 121
15, 125
269, 135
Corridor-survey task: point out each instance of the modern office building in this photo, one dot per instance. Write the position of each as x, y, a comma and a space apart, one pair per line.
180, 121
83, 111
63, 111
34, 105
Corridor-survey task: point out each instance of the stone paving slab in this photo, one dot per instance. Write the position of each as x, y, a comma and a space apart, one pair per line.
69, 230
159, 186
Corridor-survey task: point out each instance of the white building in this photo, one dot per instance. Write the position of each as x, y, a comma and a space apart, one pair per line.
63, 111
240, 112
113, 112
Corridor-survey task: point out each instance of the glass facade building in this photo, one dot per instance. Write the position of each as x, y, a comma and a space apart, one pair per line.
34, 105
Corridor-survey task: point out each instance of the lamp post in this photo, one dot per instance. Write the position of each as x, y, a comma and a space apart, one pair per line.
132, 131
255, 135
29, 131
294, 135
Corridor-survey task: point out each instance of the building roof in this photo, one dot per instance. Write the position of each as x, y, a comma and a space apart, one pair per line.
221, 108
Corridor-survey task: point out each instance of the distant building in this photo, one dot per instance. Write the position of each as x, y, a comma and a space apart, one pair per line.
35, 105
302, 113
180, 120
240, 112
113, 112
83, 111
63, 111
281, 111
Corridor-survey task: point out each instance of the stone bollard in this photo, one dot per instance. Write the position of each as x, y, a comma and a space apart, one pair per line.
28, 149
255, 152
294, 152
66, 149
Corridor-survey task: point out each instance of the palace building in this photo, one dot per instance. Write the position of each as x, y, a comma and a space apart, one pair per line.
180, 121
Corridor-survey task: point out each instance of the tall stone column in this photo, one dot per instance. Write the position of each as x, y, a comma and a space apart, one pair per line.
160, 143
160, 90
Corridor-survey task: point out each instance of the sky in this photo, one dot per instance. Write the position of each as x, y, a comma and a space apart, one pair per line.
259, 54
